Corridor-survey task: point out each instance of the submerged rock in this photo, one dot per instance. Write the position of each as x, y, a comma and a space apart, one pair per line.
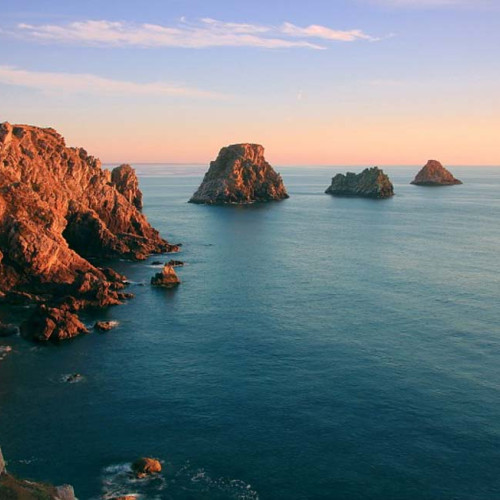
167, 278
72, 378
175, 263
146, 466
371, 183
240, 175
434, 174
6, 330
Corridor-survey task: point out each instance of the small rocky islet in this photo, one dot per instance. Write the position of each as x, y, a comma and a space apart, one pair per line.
240, 175
370, 183
434, 174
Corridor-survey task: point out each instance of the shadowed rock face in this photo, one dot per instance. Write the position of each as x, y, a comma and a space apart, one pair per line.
434, 174
240, 175
371, 183
58, 207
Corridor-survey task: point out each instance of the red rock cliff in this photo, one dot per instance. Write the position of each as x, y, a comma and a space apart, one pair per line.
58, 207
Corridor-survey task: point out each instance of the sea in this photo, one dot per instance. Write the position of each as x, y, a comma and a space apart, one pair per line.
317, 348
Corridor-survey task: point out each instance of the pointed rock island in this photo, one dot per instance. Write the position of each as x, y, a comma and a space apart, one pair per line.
371, 183
434, 174
240, 175
59, 212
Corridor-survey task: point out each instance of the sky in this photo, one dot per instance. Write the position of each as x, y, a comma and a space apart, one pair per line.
317, 82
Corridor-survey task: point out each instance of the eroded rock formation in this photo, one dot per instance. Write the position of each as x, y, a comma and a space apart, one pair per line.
371, 183
146, 466
125, 180
58, 207
240, 175
434, 174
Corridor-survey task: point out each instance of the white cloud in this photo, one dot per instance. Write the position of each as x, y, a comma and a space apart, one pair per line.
72, 83
205, 33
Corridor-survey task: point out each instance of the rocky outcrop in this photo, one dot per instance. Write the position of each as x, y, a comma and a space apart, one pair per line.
434, 174
125, 181
105, 326
14, 488
58, 208
371, 183
143, 467
167, 278
240, 175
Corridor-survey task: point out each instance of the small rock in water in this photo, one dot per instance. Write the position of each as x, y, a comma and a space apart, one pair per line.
4, 350
72, 378
146, 466
105, 326
157, 263
166, 279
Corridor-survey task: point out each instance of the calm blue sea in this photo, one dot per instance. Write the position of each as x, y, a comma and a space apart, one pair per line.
318, 348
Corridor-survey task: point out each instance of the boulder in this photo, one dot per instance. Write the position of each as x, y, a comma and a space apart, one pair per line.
370, 183
167, 278
145, 466
105, 326
240, 175
434, 174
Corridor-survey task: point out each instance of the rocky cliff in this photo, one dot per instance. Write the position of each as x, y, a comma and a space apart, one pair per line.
371, 183
434, 174
240, 175
58, 208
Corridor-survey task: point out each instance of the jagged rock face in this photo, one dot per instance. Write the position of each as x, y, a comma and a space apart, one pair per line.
434, 174
371, 183
240, 175
58, 207
125, 181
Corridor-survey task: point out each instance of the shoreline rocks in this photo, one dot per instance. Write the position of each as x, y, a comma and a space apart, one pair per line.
240, 175
14, 488
434, 174
105, 326
166, 279
370, 183
59, 210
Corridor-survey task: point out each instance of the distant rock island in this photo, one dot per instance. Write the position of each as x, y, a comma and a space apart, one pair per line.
59, 208
370, 183
434, 174
240, 175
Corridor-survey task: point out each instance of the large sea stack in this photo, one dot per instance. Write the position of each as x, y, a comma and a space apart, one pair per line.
58, 208
240, 175
371, 183
434, 174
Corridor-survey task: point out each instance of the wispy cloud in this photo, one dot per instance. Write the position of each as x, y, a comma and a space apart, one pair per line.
433, 3
71, 83
202, 34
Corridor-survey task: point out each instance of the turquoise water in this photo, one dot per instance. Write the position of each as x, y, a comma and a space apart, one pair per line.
318, 348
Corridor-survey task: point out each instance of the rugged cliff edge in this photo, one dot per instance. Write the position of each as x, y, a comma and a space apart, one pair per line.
371, 183
434, 174
58, 208
240, 175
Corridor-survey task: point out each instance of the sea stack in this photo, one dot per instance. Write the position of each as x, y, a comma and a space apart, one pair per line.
434, 174
59, 212
240, 175
371, 183
167, 278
